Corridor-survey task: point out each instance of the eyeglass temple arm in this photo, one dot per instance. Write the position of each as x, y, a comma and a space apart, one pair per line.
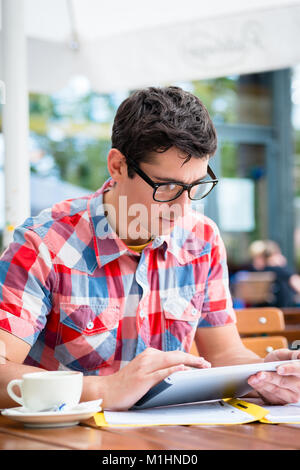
211, 173
141, 173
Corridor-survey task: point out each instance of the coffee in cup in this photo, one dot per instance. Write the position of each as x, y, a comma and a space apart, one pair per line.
46, 390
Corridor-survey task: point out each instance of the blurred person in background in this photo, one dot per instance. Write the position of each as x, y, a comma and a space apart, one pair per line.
267, 256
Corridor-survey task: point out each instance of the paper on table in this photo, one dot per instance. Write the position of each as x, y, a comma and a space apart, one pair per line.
216, 412
283, 414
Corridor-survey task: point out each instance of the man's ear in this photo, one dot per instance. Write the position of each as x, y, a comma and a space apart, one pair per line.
116, 164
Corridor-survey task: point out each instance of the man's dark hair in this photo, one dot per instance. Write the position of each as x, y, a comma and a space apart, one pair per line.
156, 119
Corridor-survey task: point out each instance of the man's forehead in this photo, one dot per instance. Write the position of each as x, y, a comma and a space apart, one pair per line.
176, 169
174, 156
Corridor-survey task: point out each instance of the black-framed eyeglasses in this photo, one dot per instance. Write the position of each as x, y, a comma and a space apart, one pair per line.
168, 191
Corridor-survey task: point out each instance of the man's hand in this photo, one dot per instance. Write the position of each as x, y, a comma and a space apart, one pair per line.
124, 388
283, 386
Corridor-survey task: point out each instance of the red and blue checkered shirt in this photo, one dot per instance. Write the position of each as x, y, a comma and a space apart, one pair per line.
83, 300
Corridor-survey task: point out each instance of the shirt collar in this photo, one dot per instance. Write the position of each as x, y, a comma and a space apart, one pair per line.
183, 241
108, 246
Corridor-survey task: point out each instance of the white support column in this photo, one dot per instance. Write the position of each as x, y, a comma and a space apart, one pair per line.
15, 118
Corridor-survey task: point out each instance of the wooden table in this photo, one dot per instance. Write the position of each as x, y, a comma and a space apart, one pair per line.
87, 436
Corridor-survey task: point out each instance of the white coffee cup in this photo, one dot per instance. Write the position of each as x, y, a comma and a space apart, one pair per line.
45, 390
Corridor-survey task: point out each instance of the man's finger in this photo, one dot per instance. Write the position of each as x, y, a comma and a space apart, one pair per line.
274, 398
180, 357
290, 382
292, 368
159, 375
163, 359
271, 383
162, 374
276, 394
284, 355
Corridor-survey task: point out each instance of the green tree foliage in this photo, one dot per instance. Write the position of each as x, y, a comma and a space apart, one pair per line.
220, 97
78, 157
80, 163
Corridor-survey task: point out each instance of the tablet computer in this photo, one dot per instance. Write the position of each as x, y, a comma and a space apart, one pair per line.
204, 384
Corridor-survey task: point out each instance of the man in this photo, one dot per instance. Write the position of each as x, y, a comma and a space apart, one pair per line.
118, 285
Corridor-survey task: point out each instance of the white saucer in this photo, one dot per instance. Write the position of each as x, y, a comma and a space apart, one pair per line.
50, 419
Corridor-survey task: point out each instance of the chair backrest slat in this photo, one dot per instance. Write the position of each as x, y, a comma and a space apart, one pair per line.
265, 344
259, 320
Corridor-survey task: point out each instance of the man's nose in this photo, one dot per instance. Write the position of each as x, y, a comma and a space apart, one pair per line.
183, 201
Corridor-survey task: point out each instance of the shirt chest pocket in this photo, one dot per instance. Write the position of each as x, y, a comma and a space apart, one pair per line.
87, 336
181, 317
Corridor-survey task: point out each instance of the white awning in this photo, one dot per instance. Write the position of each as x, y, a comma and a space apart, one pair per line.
126, 45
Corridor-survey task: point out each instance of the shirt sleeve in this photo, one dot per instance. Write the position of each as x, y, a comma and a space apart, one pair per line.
27, 278
217, 308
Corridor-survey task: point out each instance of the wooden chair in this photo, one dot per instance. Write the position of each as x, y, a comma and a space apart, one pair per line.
262, 345
254, 287
252, 322
263, 321
260, 320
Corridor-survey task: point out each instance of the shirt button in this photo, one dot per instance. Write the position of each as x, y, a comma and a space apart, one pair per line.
90, 325
194, 311
142, 314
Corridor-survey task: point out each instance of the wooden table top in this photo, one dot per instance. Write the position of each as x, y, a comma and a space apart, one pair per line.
87, 436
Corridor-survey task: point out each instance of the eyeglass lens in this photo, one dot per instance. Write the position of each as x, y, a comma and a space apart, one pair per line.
170, 191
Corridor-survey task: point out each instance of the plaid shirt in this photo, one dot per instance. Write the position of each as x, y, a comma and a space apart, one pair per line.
83, 300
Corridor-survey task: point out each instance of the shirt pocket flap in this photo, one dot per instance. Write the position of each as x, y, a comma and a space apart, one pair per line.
91, 319
180, 308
